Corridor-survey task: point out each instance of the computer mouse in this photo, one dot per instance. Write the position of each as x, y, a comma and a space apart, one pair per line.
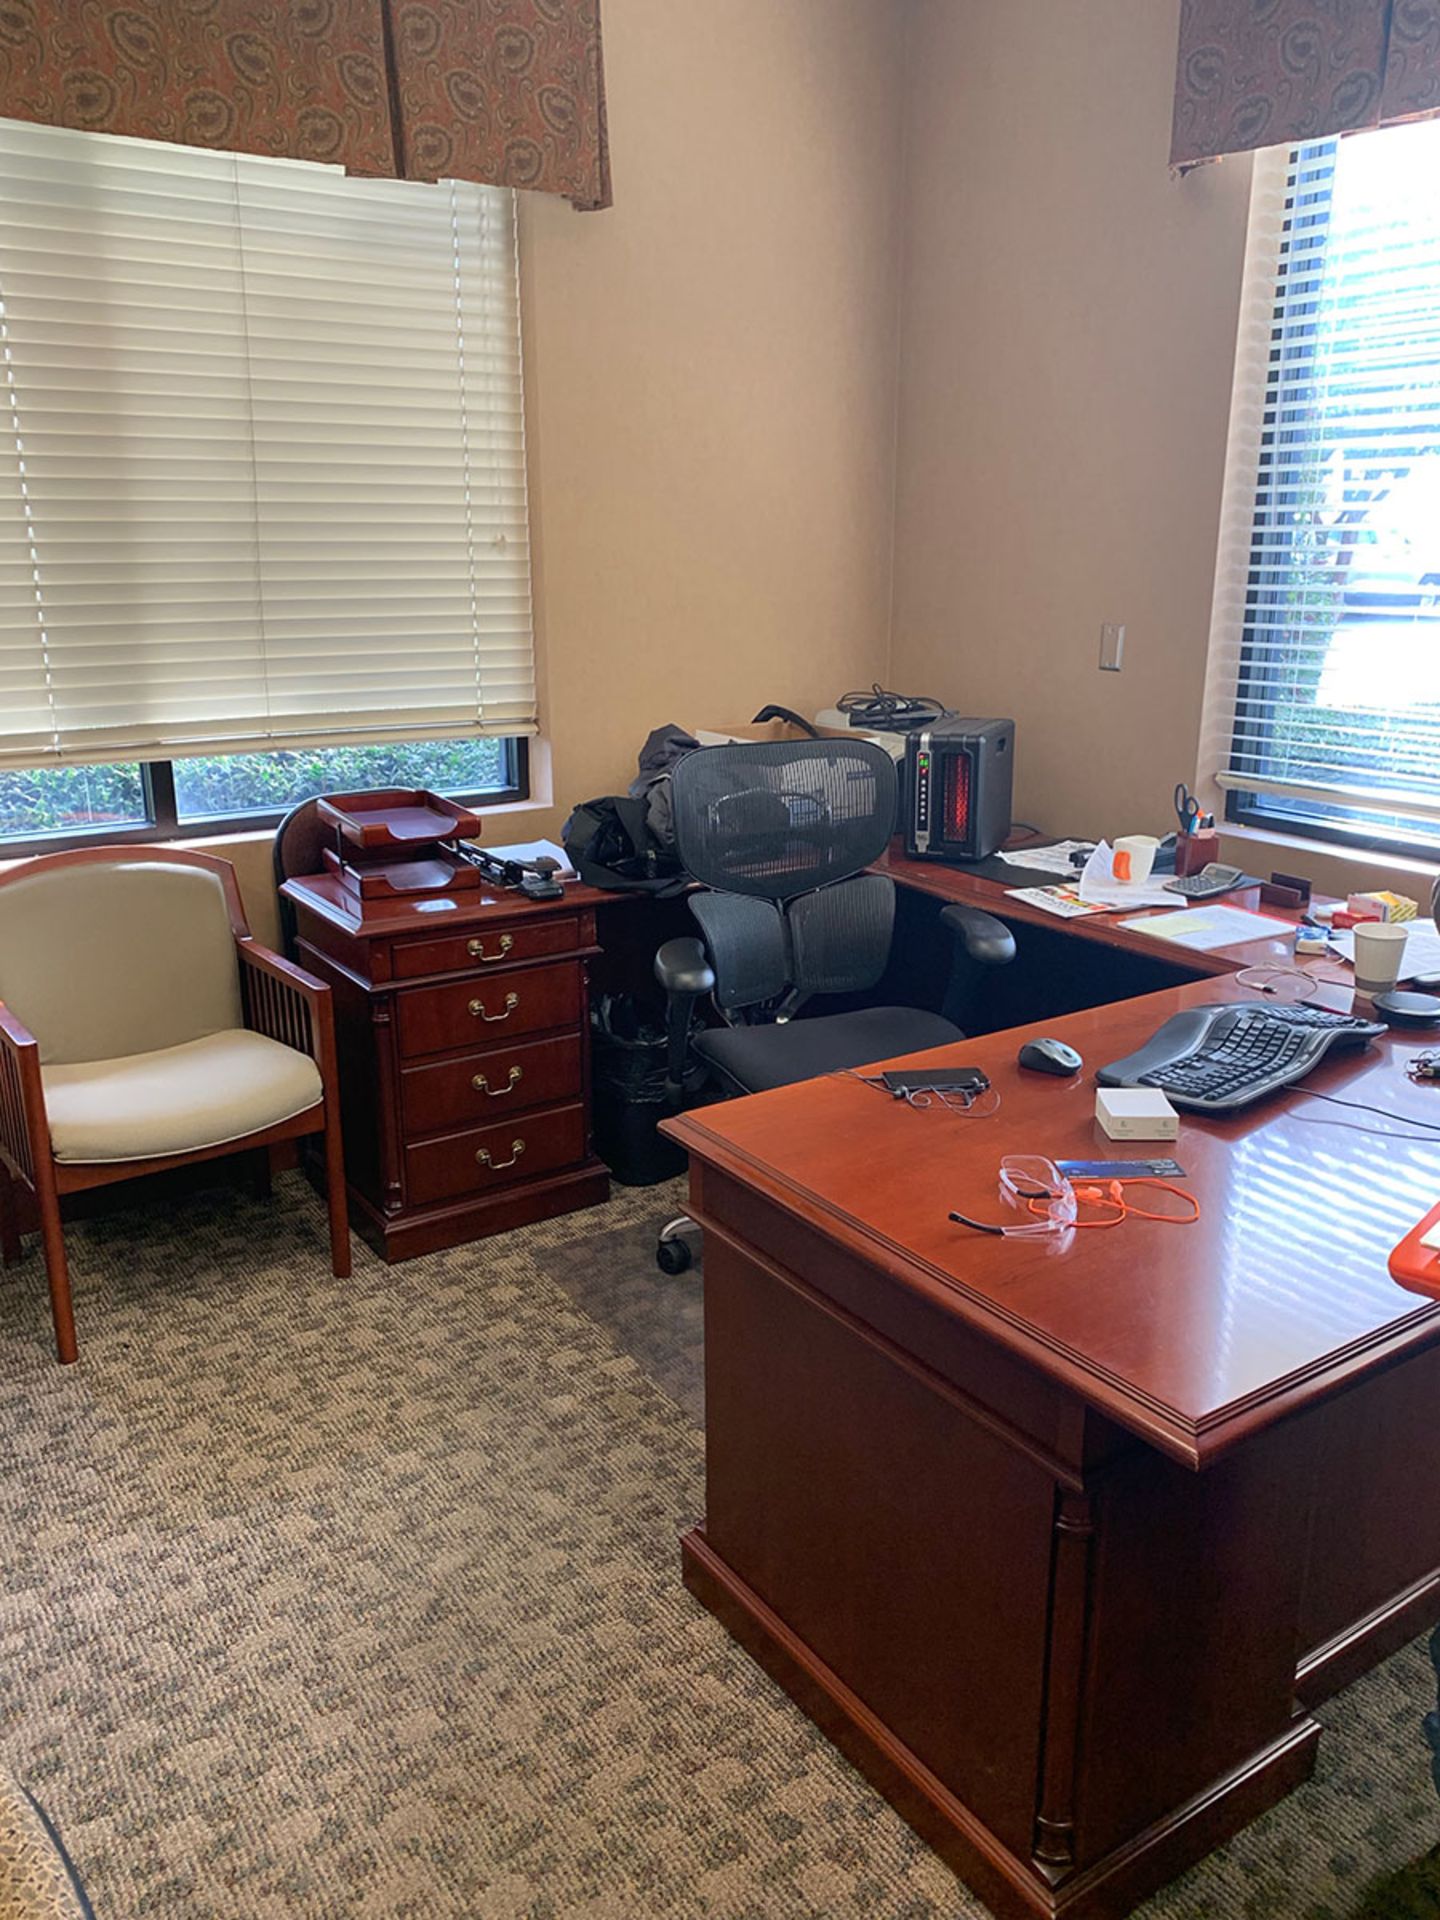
1050, 1056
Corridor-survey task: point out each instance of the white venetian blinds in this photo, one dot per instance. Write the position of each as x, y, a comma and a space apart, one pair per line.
1325, 691
262, 466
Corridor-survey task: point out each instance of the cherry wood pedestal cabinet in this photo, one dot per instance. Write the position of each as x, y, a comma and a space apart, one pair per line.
462, 1030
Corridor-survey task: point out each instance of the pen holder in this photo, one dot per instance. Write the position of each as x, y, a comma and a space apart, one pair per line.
1196, 850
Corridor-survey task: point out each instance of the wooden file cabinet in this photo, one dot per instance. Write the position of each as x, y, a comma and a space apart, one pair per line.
464, 1059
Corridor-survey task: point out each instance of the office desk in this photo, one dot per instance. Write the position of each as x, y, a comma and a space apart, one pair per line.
947, 883
1051, 1538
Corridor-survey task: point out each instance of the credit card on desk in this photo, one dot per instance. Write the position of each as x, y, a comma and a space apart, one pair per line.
1121, 1169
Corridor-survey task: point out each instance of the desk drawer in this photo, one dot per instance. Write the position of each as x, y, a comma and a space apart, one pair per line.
495, 1008
517, 1149
491, 1085
477, 952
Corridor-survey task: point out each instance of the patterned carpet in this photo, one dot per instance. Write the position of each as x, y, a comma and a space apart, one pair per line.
361, 1598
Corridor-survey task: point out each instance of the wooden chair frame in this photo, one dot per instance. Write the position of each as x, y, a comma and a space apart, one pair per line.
280, 1000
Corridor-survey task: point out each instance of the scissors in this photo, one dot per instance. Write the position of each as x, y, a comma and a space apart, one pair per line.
1187, 809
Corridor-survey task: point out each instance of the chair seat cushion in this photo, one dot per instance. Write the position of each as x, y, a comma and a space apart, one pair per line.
199, 1094
755, 1058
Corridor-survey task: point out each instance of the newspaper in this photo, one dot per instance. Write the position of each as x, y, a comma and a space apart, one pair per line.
1053, 859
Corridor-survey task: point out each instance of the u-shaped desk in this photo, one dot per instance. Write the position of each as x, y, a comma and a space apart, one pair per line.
1060, 1542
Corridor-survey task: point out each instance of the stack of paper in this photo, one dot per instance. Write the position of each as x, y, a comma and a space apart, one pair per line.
1422, 948
1207, 929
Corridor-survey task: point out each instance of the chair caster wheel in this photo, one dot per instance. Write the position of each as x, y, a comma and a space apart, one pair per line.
673, 1256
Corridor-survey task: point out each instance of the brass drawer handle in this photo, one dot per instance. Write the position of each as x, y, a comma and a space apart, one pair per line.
476, 948
482, 1085
477, 1007
517, 1147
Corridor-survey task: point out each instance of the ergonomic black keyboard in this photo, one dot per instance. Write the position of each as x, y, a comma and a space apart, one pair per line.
1214, 1059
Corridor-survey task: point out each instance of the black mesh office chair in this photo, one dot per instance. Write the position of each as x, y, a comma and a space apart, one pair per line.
780, 834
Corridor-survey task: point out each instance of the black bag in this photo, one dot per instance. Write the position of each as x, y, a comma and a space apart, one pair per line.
662, 749
609, 843
625, 842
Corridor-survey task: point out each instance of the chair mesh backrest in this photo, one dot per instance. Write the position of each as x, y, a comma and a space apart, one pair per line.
840, 936
782, 817
746, 942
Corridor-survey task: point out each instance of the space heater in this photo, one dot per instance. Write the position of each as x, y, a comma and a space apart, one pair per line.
957, 788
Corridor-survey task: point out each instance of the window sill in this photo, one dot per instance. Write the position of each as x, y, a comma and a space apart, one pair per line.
1328, 851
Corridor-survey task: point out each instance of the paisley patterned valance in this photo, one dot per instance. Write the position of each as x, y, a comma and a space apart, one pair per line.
1260, 73
510, 92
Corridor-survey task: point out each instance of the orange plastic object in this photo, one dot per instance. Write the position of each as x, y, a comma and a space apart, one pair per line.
1417, 1267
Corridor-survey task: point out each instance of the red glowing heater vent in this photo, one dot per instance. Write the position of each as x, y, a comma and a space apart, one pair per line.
957, 798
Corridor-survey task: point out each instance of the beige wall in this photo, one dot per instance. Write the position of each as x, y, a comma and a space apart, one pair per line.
711, 378
1068, 338
1067, 349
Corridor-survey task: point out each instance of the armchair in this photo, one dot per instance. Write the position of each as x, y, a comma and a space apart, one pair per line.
143, 1027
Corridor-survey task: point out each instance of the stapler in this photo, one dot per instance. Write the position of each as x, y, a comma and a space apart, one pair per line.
534, 878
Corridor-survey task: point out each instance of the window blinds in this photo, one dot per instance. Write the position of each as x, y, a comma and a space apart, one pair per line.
262, 464
1326, 648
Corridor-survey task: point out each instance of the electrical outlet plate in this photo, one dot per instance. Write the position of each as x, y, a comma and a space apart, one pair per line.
1112, 646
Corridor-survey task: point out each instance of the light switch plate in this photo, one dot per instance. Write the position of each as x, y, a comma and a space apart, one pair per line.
1112, 646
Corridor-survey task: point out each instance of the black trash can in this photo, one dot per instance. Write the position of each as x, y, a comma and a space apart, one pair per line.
627, 1066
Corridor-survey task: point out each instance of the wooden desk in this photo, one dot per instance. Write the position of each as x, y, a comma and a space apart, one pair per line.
1060, 1541
948, 883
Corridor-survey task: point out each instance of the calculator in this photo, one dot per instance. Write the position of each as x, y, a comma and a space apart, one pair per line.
1209, 882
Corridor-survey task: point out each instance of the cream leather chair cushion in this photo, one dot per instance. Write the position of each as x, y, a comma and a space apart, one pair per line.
199, 1094
101, 960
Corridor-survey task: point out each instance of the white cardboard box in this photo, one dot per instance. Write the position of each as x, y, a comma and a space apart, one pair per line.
1136, 1113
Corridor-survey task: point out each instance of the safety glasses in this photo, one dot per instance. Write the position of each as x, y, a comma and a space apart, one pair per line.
1049, 1204
1034, 1186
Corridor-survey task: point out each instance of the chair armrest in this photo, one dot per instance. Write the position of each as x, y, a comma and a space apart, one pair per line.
24, 1130
981, 935
681, 967
285, 1003
685, 973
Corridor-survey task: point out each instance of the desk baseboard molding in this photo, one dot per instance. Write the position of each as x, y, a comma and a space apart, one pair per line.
1012, 1888
1337, 1662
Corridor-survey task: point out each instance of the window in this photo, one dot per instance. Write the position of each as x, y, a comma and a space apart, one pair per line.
43, 809
263, 521
1324, 709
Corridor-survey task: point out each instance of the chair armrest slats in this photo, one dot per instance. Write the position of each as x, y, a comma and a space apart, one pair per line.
282, 1001
22, 1097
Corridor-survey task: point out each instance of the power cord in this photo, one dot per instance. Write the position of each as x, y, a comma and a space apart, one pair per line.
880, 711
958, 1100
1363, 1106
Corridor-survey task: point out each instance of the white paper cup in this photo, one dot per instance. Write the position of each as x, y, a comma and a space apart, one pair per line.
1135, 851
1379, 951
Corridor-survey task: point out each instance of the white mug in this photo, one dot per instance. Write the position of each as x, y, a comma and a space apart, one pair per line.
1379, 951
1134, 857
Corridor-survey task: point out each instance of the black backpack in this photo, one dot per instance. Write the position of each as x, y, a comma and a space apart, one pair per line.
609, 843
